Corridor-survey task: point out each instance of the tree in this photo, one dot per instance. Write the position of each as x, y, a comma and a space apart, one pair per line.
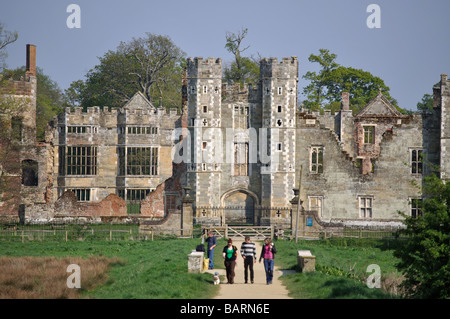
6, 38
361, 85
316, 91
327, 85
426, 104
49, 98
242, 69
425, 255
152, 65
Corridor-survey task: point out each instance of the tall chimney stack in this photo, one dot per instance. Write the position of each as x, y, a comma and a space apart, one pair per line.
345, 100
31, 60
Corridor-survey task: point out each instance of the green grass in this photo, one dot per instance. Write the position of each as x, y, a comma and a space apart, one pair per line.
158, 269
341, 266
150, 269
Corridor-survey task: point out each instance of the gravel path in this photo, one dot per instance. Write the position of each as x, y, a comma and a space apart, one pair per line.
259, 289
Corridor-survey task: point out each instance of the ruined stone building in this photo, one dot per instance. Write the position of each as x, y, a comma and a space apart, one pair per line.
235, 155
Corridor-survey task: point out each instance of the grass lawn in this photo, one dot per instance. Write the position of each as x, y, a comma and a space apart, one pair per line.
341, 266
147, 269
158, 269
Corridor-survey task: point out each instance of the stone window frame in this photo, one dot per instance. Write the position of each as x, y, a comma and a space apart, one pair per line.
81, 160
370, 134
316, 167
365, 206
172, 204
414, 209
125, 192
82, 194
241, 168
142, 130
147, 163
311, 208
241, 117
416, 163
79, 129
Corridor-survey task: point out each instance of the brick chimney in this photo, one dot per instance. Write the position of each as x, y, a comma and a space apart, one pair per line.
345, 100
31, 60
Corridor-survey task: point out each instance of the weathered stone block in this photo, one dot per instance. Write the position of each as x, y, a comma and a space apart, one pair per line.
195, 262
306, 261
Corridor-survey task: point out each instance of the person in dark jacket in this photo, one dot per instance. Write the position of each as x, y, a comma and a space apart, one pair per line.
230, 253
268, 252
211, 241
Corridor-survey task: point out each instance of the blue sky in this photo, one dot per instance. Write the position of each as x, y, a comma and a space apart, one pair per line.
409, 51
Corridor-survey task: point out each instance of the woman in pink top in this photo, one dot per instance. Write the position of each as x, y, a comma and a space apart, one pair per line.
268, 254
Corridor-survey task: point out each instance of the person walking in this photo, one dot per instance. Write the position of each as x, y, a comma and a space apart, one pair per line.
268, 252
211, 244
248, 252
230, 254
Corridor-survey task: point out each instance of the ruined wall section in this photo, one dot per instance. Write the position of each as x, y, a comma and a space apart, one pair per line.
341, 185
109, 131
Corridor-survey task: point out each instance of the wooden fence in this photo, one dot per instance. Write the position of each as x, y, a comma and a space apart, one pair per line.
254, 232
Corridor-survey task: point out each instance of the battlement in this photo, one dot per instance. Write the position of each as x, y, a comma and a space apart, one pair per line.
95, 114
19, 87
286, 68
200, 68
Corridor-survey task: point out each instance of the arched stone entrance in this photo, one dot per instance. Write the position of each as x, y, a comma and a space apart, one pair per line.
239, 207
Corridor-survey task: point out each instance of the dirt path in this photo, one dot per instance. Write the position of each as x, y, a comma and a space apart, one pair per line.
259, 289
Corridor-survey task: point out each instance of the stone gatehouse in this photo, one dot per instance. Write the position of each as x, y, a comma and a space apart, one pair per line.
228, 154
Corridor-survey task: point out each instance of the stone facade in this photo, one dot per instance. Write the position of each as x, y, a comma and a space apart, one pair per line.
239, 151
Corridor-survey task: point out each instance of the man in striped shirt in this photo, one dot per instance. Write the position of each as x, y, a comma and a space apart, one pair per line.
248, 252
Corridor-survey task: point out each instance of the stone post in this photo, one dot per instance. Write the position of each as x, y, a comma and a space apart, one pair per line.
187, 213
296, 211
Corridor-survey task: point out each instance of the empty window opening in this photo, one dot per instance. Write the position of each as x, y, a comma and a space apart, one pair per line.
416, 161
81, 160
142, 161
82, 194
30, 171
16, 129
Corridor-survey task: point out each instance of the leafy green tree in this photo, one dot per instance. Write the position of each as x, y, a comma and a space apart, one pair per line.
326, 86
152, 65
425, 255
426, 104
316, 91
361, 85
49, 99
242, 69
